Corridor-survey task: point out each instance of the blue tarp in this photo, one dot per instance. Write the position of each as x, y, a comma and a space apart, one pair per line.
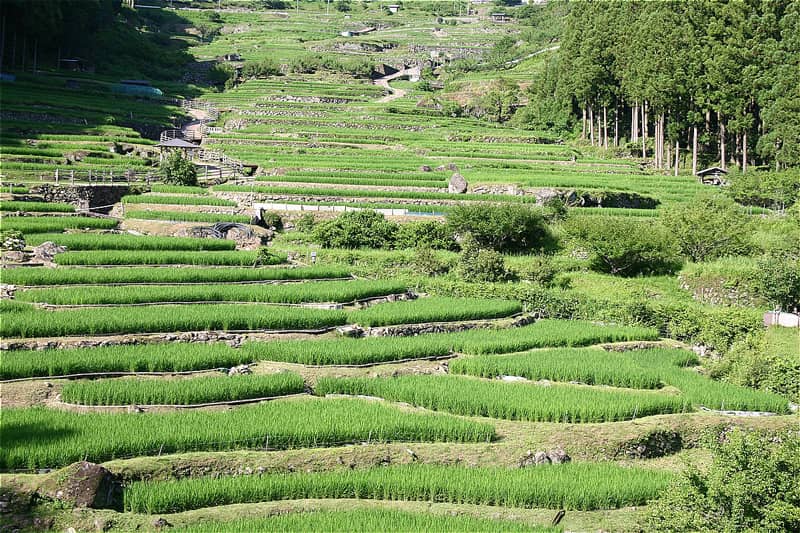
136, 90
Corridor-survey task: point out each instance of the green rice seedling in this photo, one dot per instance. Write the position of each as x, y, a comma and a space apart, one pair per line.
177, 189
544, 333
162, 257
176, 200
170, 357
186, 391
143, 275
96, 241
165, 318
512, 401
280, 424
293, 293
346, 351
578, 486
53, 224
364, 521
185, 216
434, 309
53, 207
592, 366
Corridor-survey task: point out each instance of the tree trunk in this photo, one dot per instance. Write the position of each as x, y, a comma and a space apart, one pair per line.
583, 131
677, 156
694, 151
591, 125
722, 160
744, 152
635, 123
644, 132
35, 55
24, 51
605, 127
616, 124
2, 43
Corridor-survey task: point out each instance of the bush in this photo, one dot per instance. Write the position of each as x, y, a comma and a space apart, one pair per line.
503, 228
778, 280
305, 223
356, 229
750, 486
710, 227
426, 262
262, 68
477, 264
538, 270
765, 360
625, 247
428, 234
221, 74
178, 170
272, 219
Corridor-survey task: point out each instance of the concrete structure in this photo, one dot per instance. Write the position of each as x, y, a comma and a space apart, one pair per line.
778, 318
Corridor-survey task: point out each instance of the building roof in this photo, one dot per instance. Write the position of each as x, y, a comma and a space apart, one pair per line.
177, 143
712, 170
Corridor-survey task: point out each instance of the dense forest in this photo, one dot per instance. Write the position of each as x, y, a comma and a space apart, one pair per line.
716, 79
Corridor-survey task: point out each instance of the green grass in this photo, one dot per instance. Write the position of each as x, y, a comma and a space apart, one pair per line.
185, 216
96, 241
293, 293
181, 391
584, 486
512, 401
176, 200
168, 357
82, 276
10, 205
164, 318
162, 257
544, 333
363, 521
434, 309
54, 224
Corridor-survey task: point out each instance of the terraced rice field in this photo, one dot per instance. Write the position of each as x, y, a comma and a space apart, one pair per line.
391, 391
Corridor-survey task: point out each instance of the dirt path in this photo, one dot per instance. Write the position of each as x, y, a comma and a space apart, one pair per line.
410, 73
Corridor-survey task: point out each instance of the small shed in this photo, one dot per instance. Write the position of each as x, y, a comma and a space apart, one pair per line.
186, 147
500, 17
393, 8
74, 64
713, 176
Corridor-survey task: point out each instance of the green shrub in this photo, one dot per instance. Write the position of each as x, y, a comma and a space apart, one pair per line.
429, 234
426, 262
625, 247
778, 279
507, 227
272, 219
709, 227
356, 229
262, 68
751, 485
477, 264
178, 170
305, 223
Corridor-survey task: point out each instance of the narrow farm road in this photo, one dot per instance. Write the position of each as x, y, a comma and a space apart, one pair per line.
412, 73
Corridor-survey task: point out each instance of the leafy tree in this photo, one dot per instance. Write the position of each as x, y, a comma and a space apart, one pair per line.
625, 247
343, 6
425, 261
776, 190
508, 227
356, 229
178, 170
751, 485
709, 227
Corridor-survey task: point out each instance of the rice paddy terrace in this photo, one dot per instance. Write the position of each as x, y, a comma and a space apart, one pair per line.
260, 382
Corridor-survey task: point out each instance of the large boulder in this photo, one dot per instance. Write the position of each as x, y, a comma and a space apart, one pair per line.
457, 185
83, 484
47, 251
